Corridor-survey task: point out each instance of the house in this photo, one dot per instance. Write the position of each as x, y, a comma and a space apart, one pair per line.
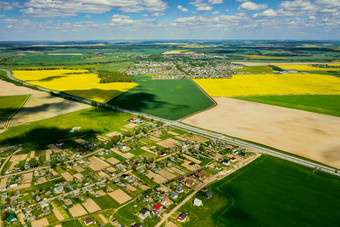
6, 207
179, 189
174, 195
199, 175
88, 221
44, 204
158, 207
58, 190
225, 162
11, 218
233, 159
144, 213
207, 194
188, 182
137, 225
182, 217
198, 202
166, 201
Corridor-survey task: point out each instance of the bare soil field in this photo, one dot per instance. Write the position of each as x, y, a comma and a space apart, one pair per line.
102, 174
67, 176
78, 169
27, 177
103, 218
192, 159
154, 138
130, 125
42, 106
147, 149
156, 177
97, 164
187, 166
41, 180
57, 213
7, 89
112, 134
16, 159
3, 182
111, 169
177, 170
77, 210
281, 63
48, 154
112, 160
91, 206
54, 148
32, 154
40, 223
78, 176
173, 133
125, 155
120, 196
303, 133
167, 174
21, 217
144, 187
168, 143
130, 187
194, 138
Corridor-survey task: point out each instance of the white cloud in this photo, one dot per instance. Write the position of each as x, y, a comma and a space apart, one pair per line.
8, 6
67, 8
182, 8
267, 13
201, 6
215, 12
158, 14
204, 8
213, 2
251, 6
119, 19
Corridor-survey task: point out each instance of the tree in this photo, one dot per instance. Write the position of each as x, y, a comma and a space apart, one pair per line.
33, 162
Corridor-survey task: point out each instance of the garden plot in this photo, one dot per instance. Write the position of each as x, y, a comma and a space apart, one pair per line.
156, 178
189, 167
111, 169
54, 148
32, 154
311, 135
67, 176
27, 177
3, 182
125, 155
78, 169
102, 175
177, 170
77, 210
57, 213
43, 106
112, 134
16, 159
147, 149
22, 218
48, 154
168, 143
144, 187
131, 188
130, 125
40, 223
41, 180
167, 174
154, 138
97, 164
173, 133
91, 206
192, 159
120, 196
103, 219
112, 160
78, 176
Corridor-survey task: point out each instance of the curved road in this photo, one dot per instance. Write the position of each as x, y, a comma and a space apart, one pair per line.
212, 135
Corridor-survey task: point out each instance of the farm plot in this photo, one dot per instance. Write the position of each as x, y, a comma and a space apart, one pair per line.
171, 99
307, 68
156, 177
167, 174
97, 164
271, 84
8, 89
303, 133
168, 143
112, 160
43, 106
16, 159
40, 223
80, 84
77, 210
91, 206
67, 176
120, 196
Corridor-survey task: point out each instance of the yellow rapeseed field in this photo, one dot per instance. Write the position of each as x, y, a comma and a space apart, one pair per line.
271, 84
308, 68
74, 82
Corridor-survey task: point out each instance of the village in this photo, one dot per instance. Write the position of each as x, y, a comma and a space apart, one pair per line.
183, 69
129, 177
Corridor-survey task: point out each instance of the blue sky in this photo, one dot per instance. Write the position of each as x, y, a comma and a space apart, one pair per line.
169, 19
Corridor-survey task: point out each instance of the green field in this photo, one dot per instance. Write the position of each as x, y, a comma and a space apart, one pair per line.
255, 69
270, 192
324, 104
56, 128
10, 104
170, 99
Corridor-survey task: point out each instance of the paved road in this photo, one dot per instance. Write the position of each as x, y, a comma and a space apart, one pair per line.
199, 131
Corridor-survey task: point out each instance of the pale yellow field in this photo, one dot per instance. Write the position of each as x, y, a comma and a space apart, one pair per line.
271, 84
263, 57
80, 84
309, 68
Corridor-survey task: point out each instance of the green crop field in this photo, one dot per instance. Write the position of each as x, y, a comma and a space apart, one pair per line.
324, 104
255, 69
270, 192
56, 128
171, 99
10, 104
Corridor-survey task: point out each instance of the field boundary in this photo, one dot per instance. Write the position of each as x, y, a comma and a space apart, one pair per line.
8, 121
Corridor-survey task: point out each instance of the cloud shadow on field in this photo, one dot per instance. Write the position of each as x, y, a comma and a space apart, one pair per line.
47, 79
